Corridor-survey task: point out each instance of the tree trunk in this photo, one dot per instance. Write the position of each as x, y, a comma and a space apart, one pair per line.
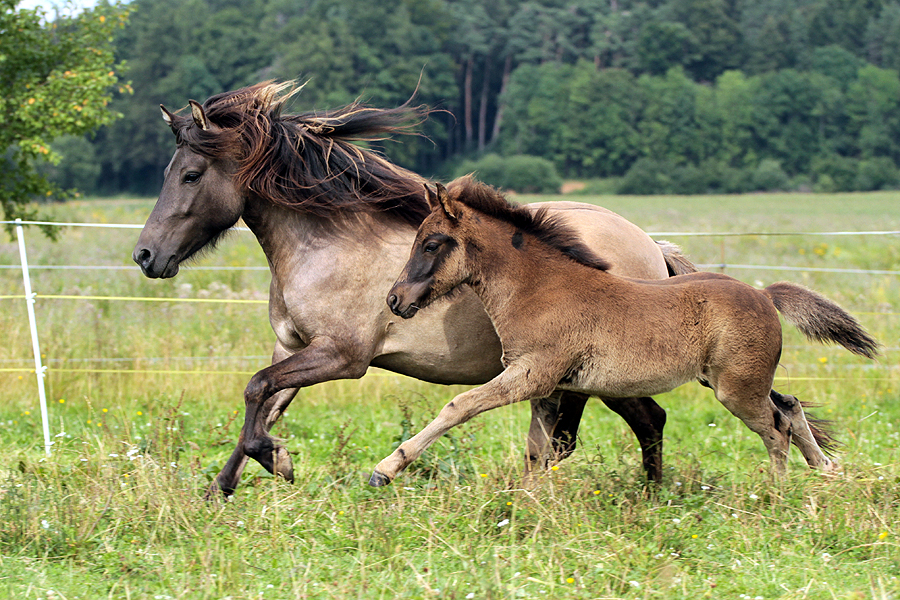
467, 102
507, 69
483, 106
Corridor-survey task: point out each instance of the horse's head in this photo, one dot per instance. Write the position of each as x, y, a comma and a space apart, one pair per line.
199, 200
436, 264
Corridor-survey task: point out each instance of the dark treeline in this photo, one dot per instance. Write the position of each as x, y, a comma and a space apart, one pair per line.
667, 95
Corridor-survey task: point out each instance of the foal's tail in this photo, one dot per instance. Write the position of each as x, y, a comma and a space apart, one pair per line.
676, 262
820, 319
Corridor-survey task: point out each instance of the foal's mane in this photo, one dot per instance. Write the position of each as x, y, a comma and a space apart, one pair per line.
309, 162
546, 227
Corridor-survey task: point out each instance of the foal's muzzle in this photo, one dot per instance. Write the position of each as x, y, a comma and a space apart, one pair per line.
406, 312
405, 298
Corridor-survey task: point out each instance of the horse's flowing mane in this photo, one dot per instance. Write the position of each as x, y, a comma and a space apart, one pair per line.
540, 223
309, 162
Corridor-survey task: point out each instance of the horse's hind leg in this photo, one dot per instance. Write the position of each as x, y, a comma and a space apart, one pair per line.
803, 436
647, 419
554, 428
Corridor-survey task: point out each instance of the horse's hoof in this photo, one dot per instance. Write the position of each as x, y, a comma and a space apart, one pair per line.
284, 466
214, 493
378, 480
832, 467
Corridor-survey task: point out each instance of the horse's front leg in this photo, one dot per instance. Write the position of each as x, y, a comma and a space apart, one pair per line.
512, 385
270, 392
554, 428
230, 475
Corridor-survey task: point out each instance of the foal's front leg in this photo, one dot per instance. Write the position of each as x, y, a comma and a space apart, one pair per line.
515, 384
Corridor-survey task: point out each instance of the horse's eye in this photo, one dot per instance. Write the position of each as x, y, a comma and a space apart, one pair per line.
191, 177
430, 247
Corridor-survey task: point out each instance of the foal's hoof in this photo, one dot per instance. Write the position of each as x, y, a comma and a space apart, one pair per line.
378, 480
832, 467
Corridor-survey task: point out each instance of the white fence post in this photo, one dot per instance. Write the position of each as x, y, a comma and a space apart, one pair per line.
39, 369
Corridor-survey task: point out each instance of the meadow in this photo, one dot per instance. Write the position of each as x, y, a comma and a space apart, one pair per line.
145, 403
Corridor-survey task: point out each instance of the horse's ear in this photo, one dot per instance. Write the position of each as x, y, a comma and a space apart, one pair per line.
167, 116
199, 116
452, 208
431, 198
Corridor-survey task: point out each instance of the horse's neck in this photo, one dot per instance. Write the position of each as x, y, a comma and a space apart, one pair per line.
288, 236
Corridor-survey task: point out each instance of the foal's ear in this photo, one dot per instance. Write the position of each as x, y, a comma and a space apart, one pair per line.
452, 208
431, 198
200, 119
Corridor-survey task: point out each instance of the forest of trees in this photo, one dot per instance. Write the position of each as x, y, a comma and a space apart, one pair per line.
683, 96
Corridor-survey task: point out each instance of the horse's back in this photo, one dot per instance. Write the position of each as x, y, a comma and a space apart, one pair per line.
629, 250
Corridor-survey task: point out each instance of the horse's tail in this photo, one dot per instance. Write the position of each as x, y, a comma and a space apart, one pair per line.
676, 262
820, 319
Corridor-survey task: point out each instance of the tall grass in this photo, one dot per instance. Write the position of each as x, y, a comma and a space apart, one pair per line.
117, 512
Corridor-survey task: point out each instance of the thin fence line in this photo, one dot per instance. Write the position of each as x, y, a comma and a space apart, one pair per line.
147, 299
787, 268
128, 268
764, 233
376, 374
651, 233
99, 225
152, 359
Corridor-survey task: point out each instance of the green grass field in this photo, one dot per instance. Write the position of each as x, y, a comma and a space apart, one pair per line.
117, 511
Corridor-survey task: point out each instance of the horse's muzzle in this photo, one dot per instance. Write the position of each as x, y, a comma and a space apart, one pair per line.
146, 260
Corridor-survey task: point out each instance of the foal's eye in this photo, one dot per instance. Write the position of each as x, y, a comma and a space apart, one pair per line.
430, 247
191, 177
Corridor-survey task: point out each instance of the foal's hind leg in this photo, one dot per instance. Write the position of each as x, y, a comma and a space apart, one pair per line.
554, 428
750, 402
803, 436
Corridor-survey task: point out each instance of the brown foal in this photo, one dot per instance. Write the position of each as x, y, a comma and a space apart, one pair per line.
566, 323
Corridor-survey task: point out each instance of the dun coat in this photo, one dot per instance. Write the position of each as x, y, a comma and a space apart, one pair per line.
566, 322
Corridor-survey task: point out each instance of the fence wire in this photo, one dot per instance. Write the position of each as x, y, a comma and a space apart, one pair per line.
659, 234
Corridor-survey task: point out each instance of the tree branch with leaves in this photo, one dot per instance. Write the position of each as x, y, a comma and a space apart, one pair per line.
57, 78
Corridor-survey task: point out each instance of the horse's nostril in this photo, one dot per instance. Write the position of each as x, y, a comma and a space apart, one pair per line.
143, 257
392, 301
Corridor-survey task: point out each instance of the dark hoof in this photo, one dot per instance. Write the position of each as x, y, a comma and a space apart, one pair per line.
215, 493
378, 480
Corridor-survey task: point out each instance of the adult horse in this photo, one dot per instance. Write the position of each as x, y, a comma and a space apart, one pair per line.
336, 222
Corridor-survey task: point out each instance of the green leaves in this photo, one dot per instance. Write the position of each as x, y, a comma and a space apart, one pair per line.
58, 78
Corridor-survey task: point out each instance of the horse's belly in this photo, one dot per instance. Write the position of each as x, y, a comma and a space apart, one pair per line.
450, 342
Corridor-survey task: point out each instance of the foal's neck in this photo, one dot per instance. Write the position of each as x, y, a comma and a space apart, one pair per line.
508, 268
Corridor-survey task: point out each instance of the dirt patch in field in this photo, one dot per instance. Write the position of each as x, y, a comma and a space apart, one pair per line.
572, 186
